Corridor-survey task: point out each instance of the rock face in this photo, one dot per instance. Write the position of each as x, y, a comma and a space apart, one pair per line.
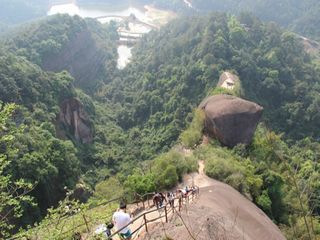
230, 119
81, 193
228, 80
73, 117
81, 57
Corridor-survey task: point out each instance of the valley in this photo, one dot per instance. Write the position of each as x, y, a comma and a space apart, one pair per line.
133, 21
119, 99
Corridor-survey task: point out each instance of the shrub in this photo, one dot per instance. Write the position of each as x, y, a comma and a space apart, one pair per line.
192, 136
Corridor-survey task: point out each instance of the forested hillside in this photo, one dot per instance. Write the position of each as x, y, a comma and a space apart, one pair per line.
46, 152
181, 64
299, 16
136, 115
85, 48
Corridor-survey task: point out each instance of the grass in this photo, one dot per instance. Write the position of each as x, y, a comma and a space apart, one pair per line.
62, 227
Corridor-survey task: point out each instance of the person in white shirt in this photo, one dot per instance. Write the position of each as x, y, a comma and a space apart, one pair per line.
120, 219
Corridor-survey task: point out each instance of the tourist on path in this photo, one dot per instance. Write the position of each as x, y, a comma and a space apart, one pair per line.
120, 219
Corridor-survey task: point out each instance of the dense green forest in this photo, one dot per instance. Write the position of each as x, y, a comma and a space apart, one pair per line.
174, 76
299, 16
51, 165
137, 114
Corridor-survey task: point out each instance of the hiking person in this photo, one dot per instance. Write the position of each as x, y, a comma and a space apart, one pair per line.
120, 219
157, 199
162, 199
108, 230
170, 197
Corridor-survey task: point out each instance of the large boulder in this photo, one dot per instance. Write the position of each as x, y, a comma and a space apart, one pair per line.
230, 119
75, 120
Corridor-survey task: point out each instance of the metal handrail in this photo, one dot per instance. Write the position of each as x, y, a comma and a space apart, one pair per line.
180, 198
145, 223
69, 216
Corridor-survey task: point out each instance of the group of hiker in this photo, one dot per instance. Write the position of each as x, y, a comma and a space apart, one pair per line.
159, 198
121, 219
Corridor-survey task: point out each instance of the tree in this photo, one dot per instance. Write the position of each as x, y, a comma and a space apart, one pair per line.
12, 192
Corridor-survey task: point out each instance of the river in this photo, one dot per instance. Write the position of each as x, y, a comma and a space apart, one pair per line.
146, 14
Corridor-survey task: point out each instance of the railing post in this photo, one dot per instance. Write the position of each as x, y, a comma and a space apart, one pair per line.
166, 213
86, 222
145, 222
173, 207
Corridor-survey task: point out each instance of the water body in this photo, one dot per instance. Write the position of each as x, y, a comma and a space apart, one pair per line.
91, 11
126, 54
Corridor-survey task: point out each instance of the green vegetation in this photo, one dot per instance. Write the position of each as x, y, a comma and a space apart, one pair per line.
192, 136
69, 219
300, 16
174, 69
282, 181
140, 113
162, 173
86, 48
13, 191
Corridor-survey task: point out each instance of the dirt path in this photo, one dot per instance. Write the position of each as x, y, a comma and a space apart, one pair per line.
199, 179
221, 212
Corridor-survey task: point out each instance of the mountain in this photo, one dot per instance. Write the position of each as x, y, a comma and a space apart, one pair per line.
120, 130
83, 48
175, 68
298, 16
56, 118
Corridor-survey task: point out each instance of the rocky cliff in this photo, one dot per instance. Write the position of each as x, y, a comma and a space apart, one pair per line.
81, 58
75, 120
228, 80
230, 119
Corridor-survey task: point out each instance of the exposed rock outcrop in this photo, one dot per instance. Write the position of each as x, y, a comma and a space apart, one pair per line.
81, 192
228, 80
310, 46
230, 119
74, 118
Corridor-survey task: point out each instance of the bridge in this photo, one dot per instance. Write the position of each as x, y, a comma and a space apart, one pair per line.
131, 18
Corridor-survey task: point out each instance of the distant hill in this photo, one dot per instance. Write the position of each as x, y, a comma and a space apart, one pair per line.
84, 48
299, 16
19, 11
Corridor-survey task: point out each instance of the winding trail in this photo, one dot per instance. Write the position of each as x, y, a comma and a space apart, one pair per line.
199, 179
221, 212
